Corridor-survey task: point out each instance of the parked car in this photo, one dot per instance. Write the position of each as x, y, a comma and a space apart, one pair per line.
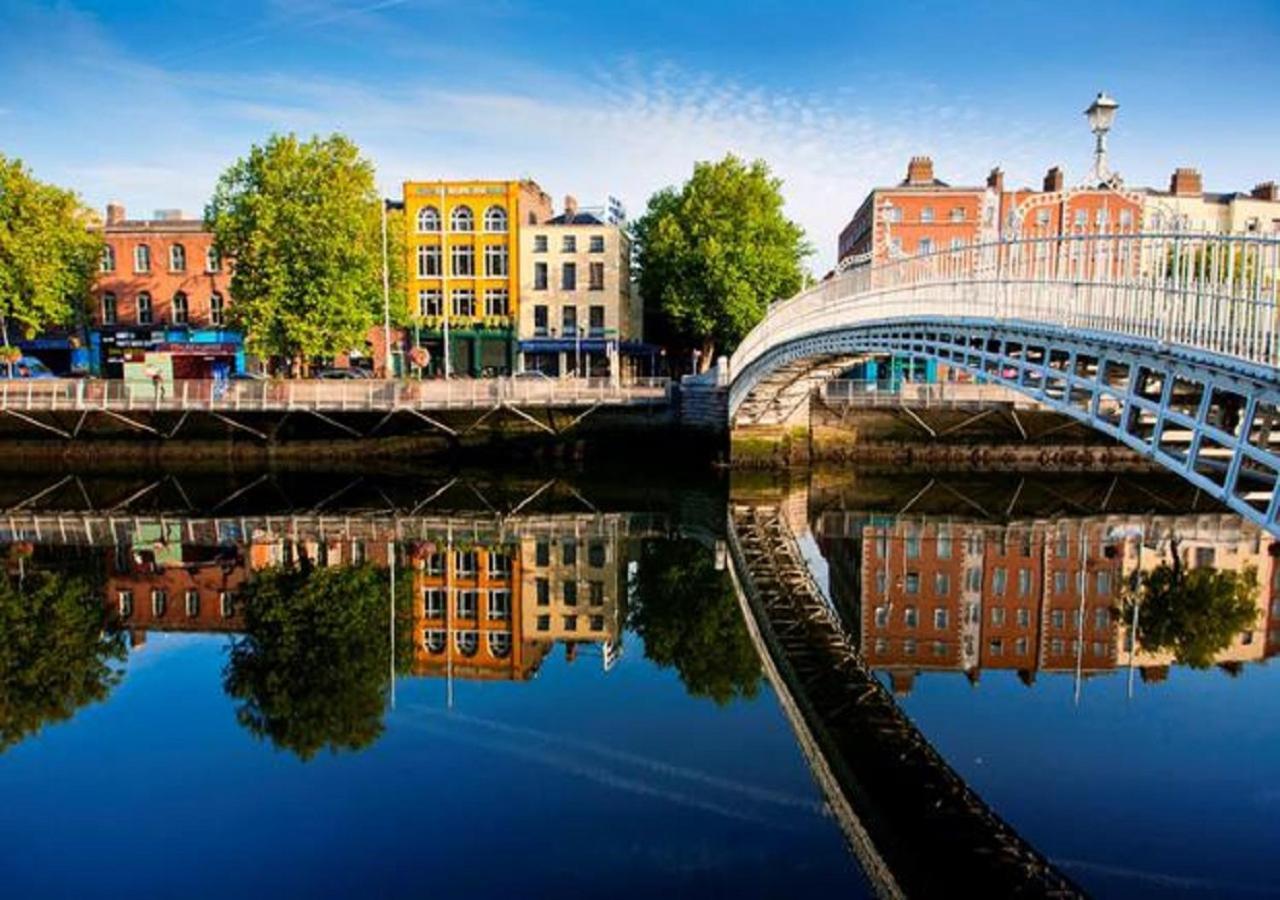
342, 374
534, 374
25, 367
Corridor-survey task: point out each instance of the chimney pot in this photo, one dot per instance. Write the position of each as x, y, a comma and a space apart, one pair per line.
1185, 183
570, 206
1268, 190
115, 213
920, 170
1054, 180
995, 180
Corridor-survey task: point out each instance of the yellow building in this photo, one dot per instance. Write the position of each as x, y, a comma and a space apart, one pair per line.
463, 246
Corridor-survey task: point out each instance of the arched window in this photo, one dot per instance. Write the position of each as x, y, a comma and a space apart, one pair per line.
108, 258
499, 644
211, 261
495, 219
434, 641
177, 258
142, 258
181, 309
217, 311
428, 220
462, 219
468, 642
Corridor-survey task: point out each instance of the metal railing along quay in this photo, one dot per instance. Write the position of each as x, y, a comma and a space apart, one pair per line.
355, 395
939, 395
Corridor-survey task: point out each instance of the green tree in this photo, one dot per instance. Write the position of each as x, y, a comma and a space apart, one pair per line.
714, 254
301, 224
687, 614
1192, 614
311, 670
55, 654
48, 252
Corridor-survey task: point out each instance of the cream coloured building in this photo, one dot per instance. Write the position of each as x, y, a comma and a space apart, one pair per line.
1186, 206
579, 313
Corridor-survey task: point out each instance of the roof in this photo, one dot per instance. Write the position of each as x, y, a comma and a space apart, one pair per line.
157, 226
928, 184
578, 218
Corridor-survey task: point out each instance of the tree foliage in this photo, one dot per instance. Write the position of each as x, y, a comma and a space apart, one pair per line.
55, 654
311, 670
301, 223
715, 253
1192, 614
688, 617
48, 253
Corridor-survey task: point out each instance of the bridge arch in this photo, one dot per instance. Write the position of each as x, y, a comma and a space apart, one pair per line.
1166, 343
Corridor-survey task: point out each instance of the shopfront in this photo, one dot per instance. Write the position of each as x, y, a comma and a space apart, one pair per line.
203, 354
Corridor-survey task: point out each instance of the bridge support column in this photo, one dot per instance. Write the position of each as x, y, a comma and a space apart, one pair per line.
782, 442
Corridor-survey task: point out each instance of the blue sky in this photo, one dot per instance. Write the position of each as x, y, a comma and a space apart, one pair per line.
147, 102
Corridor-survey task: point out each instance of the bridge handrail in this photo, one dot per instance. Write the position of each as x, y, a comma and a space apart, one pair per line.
355, 395
1212, 292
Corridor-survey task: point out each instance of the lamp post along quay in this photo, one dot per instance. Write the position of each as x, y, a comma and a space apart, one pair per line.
1101, 114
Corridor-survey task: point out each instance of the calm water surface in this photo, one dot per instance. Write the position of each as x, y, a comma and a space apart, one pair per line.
240, 709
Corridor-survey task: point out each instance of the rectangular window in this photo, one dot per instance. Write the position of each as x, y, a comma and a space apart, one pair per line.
1024, 582
159, 602
212, 263
217, 310
973, 579
434, 564
882, 616
957, 214
910, 617
542, 590
464, 563
108, 259
595, 593
144, 308
142, 258
925, 245
569, 321
499, 565
941, 583
1058, 618
996, 646
108, 308
913, 543
177, 258
909, 646
499, 605
539, 243
542, 554
193, 604
495, 260
597, 243
181, 311
430, 302
496, 302
466, 605
943, 547
1059, 582
226, 604
597, 623
539, 276
1103, 583
595, 321
595, 276
463, 261
997, 615
596, 554
1102, 619
1063, 546
1024, 617
569, 244
429, 261
569, 276
999, 581
464, 302
569, 553
544, 623
433, 603
540, 321
124, 600
880, 581
912, 583
926, 214
570, 623
1020, 646
569, 593
940, 618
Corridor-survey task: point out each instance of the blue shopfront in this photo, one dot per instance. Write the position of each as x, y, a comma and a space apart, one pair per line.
200, 353
586, 357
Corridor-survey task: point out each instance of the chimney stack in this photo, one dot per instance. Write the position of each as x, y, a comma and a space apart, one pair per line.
570, 207
920, 170
995, 180
115, 213
1185, 183
1054, 180
1268, 190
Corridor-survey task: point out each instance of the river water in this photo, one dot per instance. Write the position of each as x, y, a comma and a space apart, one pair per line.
359, 683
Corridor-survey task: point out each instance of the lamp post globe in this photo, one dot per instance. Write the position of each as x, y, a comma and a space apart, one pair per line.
1101, 114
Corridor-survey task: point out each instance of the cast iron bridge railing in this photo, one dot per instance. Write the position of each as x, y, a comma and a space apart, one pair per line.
916, 828
1168, 343
40, 402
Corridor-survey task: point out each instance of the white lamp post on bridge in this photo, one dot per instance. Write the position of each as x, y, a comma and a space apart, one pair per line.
1101, 114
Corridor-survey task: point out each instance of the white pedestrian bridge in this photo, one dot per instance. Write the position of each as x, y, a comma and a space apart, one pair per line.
1167, 342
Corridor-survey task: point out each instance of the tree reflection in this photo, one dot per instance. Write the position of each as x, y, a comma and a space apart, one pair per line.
55, 654
687, 614
1193, 614
311, 670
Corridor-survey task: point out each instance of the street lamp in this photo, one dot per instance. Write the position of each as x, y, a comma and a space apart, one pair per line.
1101, 114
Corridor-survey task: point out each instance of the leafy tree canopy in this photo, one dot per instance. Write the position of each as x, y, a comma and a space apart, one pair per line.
714, 254
1193, 614
311, 669
301, 223
55, 654
688, 617
48, 253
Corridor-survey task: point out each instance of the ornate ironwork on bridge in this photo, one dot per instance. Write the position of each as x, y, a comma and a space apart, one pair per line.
1168, 343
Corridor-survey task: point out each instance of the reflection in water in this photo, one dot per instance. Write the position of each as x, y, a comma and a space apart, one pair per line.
937, 594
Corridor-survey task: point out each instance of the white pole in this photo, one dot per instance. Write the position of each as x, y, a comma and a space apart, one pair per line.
445, 302
386, 296
391, 552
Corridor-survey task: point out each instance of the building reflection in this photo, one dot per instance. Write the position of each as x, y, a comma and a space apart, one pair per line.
476, 609
1043, 596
